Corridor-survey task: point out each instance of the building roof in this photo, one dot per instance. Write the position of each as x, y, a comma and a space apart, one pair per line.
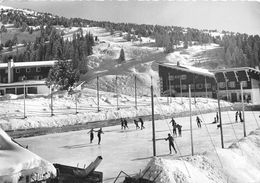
237, 74
22, 83
30, 64
191, 69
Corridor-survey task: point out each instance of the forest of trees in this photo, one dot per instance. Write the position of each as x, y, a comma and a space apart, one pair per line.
240, 49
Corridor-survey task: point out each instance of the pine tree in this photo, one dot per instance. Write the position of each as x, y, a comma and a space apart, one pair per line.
121, 56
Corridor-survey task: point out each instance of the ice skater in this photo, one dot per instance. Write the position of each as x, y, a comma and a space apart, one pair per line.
217, 116
240, 116
125, 124
236, 116
136, 124
199, 121
142, 123
122, 124
173, 127
91, 135
179, 129
171, 143
99, 132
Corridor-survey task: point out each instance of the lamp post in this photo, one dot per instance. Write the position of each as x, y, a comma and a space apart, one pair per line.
24, 93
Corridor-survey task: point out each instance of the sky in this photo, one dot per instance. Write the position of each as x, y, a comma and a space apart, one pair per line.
236, 16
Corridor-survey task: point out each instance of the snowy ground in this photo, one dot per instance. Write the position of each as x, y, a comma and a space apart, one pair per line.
130, 150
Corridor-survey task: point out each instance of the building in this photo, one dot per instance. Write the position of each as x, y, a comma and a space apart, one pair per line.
15, 76
175, 80
230, 81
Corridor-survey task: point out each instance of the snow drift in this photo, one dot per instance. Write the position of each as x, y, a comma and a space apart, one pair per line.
17, 162
240, 163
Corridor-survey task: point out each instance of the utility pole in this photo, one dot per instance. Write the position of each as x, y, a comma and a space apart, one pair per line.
191, 135
51, 101
117, 94
181, 90
170, 89
24, 94
243, 108
220, 119
98, 94
206, 87
135, 94
153, 125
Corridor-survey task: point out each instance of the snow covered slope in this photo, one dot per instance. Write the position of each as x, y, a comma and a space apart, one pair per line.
16, 162
240, 163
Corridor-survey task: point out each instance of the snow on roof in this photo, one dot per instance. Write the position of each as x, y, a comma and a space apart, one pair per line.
33, 64
236, 69
17, 162
186, 68
26, 82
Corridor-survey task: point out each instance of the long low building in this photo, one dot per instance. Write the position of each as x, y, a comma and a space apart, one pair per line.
175, 79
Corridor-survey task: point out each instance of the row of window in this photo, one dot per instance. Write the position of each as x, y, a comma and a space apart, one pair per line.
182, 77
185, 87
231, 84
17, 70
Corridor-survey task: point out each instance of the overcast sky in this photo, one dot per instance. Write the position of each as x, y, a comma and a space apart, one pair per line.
232, 16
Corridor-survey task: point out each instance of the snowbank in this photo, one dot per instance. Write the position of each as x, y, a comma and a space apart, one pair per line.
16, 162
240, 163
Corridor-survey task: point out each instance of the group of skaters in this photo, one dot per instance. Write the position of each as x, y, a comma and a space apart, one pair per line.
124, 123
99, 132
175, 127
238, 114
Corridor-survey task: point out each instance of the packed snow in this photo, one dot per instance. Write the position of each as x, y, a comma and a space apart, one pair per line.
17, 162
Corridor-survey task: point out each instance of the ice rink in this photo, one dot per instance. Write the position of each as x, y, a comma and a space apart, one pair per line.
130, 150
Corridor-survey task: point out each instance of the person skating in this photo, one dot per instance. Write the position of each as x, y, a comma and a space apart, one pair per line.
217, 116
179, 129
91, 134
125, 124
136, 124
198, 122
171, 144
122, 124
142, 123
173, 127
240, 116
99, 135
236, 116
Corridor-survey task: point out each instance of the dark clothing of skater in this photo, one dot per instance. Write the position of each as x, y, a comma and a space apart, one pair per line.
125, 124
240, 116
217, 116
122, 124
173, 122
99, 135
179, 129
198, 122
236, 116
136, 124
173, 127
142, 123
91, 133
171, 144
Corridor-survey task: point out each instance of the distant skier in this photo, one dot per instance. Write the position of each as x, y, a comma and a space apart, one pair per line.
91, 133
142, 123
125, 124
198, 122
99, 135
179, 129
171, 144
236, 115
240, 116
136, 124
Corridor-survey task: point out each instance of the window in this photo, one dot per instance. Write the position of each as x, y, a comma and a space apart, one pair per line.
244, 83
171, 77
17, 70
208, 85
232, 84
28, 69
183, 77
38, 69
184, 87
199, 86
222, 85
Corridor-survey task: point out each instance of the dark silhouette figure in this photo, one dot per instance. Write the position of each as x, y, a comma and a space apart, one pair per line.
136, 124
99, 135
91, 133
236, 116
179, 129
142, 123
122, 124
240, 116
173, 127
171, 144
217, 116
198, 122
125, 124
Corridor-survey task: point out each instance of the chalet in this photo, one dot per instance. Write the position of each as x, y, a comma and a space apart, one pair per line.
175, 80
230, 81
15, 76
